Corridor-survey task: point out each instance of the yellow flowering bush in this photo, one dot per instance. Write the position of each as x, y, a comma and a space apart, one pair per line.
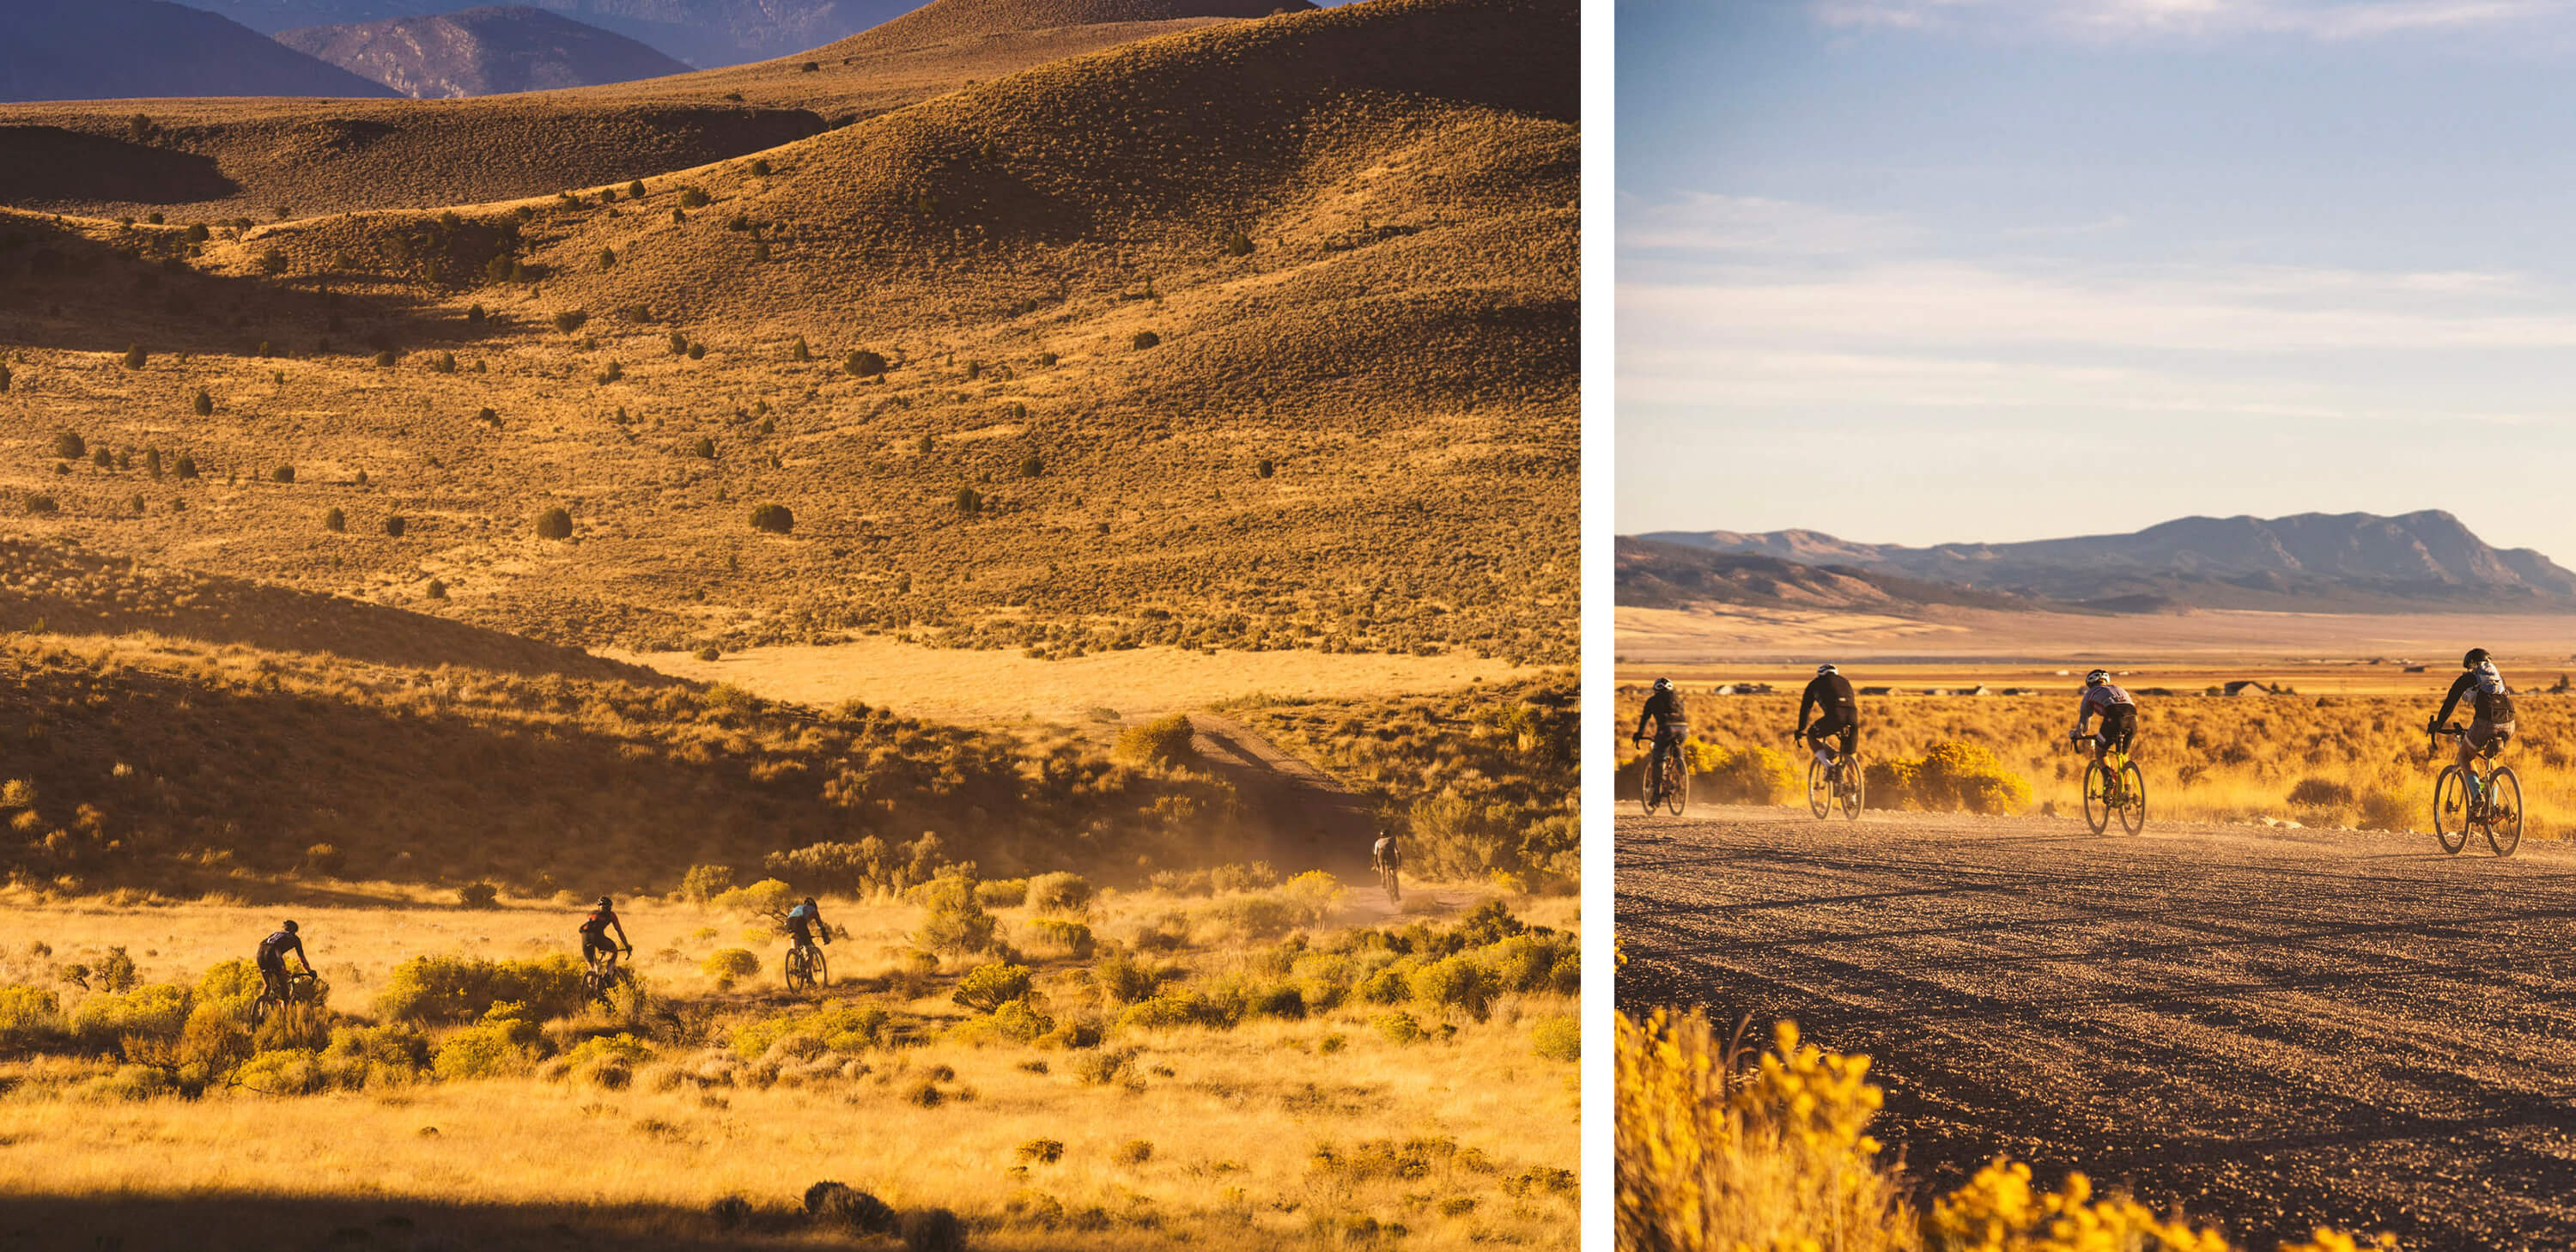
1718, 1155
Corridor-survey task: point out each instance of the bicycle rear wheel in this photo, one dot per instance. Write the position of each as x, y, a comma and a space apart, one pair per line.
1853, 783
2133, 798
1676, 784
2451, 810
1820, 795
800, 969
1650, 782
2504, 811
2097, 796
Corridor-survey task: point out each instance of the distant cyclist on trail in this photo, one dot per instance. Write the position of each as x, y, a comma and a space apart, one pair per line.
272, 958
803, 921
2119, 714
1837, 713
595, 928
1384, 855
2490, 705
1664, 709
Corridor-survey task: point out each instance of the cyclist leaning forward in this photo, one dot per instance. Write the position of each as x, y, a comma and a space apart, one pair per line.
2490, 706
594, 932
2119, 714
1664, 709
1829, 697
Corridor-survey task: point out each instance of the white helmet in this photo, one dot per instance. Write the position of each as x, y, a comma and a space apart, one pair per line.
2097, 678
1826, 668
1663, 684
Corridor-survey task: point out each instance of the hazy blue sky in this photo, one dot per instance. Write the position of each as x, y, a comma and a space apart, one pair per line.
1923, 270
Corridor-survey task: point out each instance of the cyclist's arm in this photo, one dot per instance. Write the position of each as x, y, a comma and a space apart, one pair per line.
622, 940
2083, 714
822, 927
1644, 716
2459, 687
1806, 705
302, 959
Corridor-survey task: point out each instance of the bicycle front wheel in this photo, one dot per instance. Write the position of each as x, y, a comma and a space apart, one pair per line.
2133, 798
1820, 796
2451, 810
2097, 796
2504, 811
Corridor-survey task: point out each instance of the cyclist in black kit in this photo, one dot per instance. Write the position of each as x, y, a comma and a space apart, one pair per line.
1829, 697
272, 958
1664, 709
2490, 705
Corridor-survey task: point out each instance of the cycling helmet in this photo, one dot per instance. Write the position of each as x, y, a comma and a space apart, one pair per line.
603, 902
288, 927
1826, 668
2475, 658
2097, 678
809, 903
1663, 684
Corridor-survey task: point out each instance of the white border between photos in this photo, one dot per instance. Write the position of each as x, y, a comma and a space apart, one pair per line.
1599, 647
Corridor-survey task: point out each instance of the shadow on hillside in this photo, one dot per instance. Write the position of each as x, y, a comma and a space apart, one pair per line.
60, 288
225, 1223
50, 164
61, 590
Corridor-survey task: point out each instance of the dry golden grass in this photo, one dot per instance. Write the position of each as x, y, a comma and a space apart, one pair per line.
180, 768
1235, 1116
977, 688
1360, 436
2362, 758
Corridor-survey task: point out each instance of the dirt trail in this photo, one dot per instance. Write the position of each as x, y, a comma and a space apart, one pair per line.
2275, 1028
1305, 819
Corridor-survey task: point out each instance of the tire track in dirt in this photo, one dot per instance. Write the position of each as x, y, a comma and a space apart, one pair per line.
1305, 818
2274, 1028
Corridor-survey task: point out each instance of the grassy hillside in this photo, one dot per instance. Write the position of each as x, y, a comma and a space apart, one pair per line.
170, 767
1260, 335
218, 160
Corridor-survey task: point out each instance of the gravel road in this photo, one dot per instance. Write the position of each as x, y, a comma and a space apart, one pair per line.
2275, 1028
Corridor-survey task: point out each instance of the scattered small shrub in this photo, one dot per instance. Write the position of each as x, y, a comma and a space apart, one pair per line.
862, 363
774, 518
1557, 1037
554, 523
1146, 339
335, 520
729, 966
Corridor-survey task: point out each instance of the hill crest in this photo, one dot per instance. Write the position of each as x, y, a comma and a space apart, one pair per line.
481, 51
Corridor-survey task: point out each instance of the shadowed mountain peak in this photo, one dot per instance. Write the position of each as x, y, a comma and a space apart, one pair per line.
480, 52
127, 49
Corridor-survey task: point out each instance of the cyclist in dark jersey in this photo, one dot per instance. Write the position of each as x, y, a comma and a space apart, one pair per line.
595, 928
1829, 696
272, 958
804, 920
2119, 713
1384, 855
1664, 709
2490, 705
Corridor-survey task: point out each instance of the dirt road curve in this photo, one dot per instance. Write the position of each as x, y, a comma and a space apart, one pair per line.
2275, 1028
1307, 820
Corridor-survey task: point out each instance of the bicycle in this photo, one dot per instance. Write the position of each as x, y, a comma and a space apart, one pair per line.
806, 968
1666, 781
300, 989
604, 977
2112, 784
1386, 880
2466, 799
1837, 781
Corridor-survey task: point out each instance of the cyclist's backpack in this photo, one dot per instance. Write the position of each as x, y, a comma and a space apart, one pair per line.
2494, 704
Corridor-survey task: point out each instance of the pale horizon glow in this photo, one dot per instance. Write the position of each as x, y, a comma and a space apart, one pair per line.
1926, 271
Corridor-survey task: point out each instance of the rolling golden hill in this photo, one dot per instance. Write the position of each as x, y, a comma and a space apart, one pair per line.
269, 160
1257, 335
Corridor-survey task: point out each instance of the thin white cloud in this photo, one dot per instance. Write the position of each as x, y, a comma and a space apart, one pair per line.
1953, 305
1708, 221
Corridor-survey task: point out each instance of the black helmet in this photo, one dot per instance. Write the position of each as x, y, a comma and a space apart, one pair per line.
2475, 658
809, 901
289, 926
1663, 684
603, 902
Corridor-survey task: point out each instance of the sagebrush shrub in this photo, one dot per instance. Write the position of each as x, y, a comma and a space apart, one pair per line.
728, 966
1060, 892
773, 518
986, 987
554, 523
1163, 741
1557, 1037
954, 921
862, 363
436, 989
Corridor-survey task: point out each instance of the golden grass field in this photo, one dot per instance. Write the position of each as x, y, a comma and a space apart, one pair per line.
1236, 1116
986, 687
2350, 742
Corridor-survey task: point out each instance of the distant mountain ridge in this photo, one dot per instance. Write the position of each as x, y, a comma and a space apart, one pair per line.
2309, 560
704, 33
480, 52
120, 49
